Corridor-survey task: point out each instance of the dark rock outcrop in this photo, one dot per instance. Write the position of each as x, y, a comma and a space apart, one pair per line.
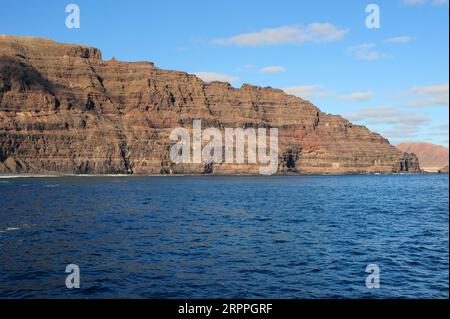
443, 170
432, 157
63, 109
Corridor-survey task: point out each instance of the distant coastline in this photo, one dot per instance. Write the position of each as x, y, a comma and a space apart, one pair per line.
7, 176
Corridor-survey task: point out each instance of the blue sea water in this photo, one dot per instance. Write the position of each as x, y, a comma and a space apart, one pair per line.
225, 237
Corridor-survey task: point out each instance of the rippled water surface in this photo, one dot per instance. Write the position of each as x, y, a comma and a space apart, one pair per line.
248, 237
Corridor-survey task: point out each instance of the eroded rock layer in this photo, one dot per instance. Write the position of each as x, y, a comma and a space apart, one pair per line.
432, 157
65, 110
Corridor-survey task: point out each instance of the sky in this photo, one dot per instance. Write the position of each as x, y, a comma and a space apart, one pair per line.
393, 78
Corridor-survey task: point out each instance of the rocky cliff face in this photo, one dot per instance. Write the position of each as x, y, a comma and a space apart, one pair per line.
63, 109
443, 170
432, 157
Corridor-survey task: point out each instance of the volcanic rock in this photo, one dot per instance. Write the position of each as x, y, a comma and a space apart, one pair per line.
432, 157
443, 170
65, 110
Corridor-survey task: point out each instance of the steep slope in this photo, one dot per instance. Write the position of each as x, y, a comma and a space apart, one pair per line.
63, 109
432, 157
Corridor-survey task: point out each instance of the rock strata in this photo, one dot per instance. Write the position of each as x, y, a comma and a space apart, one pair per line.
432, 157
65, 110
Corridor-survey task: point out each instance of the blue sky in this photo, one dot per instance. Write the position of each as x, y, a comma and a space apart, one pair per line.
393, 79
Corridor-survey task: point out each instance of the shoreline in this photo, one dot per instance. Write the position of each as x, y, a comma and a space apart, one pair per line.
13, 176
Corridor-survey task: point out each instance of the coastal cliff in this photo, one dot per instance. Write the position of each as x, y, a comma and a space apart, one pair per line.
65, 110
432, 157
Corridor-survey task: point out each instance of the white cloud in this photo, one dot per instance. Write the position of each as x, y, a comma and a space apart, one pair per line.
365, 51
273, 69
306, 91
213, 76
313, 32
442, 127
440, 2
402, 118
374, 112
401, 132
387, 115
432, 101
245, 68
430, 95
357, 96
440, 130
391, 122
442, 88
400, 39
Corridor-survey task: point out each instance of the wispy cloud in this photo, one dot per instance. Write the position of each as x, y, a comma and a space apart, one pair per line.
401, 132
245, 68
306, 91
313, 32
432, 101
366, 51
213, 76
357, 96
442, 128
430, 95
392, 122
439, 130
374, 112
387, 115
439, 2
400, 39
273, 69
442, 88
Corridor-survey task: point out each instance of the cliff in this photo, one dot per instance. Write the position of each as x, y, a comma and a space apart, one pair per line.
443, 170
432, 157
63, 109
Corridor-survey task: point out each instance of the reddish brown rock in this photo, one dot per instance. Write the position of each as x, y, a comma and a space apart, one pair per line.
432, 157
443, 170
63, 109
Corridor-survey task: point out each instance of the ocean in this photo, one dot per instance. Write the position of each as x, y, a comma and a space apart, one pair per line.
225, 236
